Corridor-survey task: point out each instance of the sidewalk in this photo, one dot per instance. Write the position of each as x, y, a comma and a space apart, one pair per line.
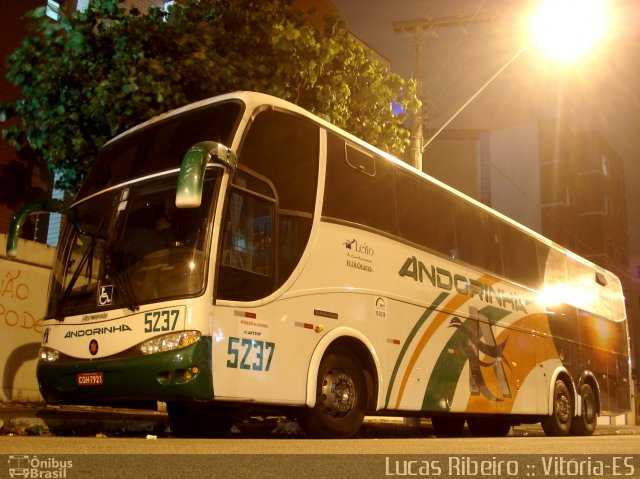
42, 419
38, 419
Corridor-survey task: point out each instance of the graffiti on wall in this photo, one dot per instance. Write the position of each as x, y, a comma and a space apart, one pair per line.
23, 297
16, 308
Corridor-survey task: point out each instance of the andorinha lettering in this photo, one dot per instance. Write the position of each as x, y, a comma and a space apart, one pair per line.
97, 331
443, 279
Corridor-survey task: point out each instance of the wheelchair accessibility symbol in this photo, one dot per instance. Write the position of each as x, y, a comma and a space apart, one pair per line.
105, 295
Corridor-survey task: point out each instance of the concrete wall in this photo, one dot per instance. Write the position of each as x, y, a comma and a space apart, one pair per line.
24, 283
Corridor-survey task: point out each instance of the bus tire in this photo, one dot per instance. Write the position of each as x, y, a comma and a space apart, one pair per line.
448, 426
341, 398
559, 422
488, 426
585, 423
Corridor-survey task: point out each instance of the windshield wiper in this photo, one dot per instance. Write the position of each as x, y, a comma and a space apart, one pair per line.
87, 259
122, 284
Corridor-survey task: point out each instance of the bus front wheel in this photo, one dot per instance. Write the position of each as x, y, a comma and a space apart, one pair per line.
559, 422
585, 423
340, 398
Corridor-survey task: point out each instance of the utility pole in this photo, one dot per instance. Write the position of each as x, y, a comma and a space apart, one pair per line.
419, 29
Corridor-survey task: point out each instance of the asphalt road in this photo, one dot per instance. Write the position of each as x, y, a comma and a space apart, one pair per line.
37, 441
516, 456
622, 445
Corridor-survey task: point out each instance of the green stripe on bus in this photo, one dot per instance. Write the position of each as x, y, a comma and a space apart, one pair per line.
441, 297
446, 373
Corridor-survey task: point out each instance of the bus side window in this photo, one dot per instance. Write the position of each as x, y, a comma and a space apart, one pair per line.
294, 232
284, 150
359, 187
520, 253
247, 271
424, 213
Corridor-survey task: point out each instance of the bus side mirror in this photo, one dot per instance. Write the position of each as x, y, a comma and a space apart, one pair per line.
191, 178
41, 206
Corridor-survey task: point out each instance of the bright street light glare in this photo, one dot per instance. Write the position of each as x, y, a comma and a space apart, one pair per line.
565, 30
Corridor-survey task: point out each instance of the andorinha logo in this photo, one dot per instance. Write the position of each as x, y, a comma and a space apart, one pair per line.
35, 467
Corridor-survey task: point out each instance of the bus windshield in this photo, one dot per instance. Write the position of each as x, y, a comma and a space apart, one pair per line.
131, 246
126, 243
161, 145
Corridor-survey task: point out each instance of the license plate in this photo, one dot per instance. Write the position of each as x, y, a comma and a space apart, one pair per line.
90, 379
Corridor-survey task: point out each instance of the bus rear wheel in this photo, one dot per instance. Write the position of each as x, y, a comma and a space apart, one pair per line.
559, 422
340, 398
488, 426
585, 423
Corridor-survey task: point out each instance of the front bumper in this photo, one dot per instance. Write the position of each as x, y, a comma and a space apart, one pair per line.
181, 374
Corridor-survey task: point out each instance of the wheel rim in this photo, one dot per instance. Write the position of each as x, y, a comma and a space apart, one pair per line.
338, 393
563, 408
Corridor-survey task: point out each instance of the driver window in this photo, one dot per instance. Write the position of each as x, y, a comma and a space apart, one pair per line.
248, 237
247, 256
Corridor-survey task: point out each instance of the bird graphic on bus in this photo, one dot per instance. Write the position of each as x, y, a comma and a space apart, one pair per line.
472, 346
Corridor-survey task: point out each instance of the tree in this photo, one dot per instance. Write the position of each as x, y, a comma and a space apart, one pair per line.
96, 73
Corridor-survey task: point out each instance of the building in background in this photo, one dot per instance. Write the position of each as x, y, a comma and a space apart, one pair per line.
21, 178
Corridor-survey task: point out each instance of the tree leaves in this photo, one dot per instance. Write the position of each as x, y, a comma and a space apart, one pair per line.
98, 72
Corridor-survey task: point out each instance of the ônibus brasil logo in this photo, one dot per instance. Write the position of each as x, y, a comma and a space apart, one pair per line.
33, 466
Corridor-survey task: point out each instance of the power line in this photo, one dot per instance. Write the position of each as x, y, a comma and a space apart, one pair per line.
419, 28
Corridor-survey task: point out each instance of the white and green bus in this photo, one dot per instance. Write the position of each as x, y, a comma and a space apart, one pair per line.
241, 256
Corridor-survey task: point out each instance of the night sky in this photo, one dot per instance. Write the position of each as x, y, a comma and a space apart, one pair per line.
601, 92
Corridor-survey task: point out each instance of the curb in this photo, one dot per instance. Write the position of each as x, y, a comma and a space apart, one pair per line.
43, 420
22, 419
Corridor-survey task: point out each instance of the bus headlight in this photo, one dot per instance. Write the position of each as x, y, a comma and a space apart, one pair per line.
48, 355
169, 342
